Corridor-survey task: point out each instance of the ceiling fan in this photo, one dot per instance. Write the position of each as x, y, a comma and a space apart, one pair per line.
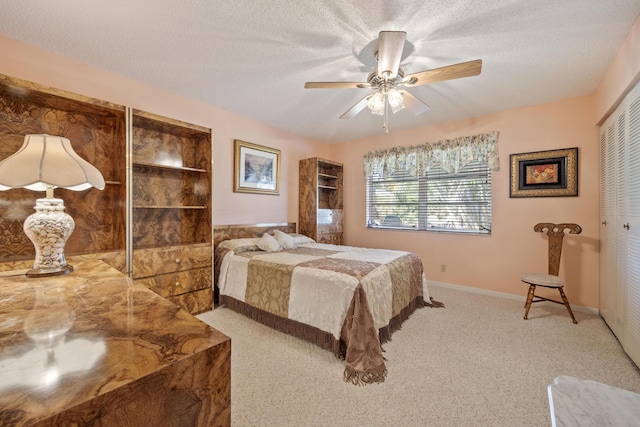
389, 76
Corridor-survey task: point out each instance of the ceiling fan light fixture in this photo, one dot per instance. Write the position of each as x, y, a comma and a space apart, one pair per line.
395, 100
376, 103
389, 75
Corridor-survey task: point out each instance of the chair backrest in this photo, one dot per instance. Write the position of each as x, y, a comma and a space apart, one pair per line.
556, 234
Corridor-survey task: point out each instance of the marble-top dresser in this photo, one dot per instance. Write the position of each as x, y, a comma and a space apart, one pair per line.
93, 348
584, 403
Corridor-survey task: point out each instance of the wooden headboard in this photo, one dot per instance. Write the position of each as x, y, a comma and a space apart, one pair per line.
226, 232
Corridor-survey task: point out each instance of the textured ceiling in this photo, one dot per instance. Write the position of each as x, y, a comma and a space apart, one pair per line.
252, 57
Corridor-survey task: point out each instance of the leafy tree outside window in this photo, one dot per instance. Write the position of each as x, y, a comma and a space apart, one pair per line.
435, 201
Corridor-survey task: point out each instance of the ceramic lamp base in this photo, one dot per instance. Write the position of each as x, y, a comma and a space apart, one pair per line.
49, 228
45, 272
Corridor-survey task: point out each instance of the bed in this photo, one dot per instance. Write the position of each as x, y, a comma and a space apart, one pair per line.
345, 299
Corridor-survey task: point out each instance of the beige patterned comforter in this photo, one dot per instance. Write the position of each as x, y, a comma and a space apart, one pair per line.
359, 296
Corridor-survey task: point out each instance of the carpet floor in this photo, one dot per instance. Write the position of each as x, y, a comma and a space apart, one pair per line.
475, 362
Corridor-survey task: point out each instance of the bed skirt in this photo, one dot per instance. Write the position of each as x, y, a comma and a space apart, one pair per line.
364, 365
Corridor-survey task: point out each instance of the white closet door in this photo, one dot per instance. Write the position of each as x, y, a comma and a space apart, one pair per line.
607, 214
631, 342
611, 275
620, 223
619, 227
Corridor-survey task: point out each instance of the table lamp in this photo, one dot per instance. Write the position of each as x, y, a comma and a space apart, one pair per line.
43, 163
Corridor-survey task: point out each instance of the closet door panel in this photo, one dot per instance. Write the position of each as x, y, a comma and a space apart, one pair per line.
607, 289
632, 301
609, 232
619, 225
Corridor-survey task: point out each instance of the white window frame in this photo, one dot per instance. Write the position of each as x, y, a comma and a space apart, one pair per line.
464, 211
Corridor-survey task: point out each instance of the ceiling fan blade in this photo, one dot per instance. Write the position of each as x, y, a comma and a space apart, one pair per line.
336, 85
450, 72
359, 106
413, 104
390, 47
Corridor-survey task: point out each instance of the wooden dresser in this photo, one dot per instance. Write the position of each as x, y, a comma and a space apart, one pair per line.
95, 348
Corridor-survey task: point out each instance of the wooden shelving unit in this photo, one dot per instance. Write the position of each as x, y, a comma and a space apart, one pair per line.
171, 209
320, 203
97, 132
152, 220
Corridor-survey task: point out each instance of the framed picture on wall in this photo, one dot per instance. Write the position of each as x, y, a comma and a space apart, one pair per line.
257, 169
552, 173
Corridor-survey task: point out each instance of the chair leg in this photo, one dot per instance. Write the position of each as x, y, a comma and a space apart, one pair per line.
530, 295
566, 303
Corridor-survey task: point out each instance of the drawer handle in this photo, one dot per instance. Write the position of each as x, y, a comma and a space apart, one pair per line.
177, 260
177, 283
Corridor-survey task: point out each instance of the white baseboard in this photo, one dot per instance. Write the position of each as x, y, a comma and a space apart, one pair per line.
472, 290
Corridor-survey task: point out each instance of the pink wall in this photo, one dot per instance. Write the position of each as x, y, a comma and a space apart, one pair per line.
496, 262
29, 63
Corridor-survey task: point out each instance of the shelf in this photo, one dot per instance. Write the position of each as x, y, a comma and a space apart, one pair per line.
320, 200
169, 207
170, 246
326, 175
162, 124
168, 167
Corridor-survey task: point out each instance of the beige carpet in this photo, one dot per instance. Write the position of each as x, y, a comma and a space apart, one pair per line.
475, 362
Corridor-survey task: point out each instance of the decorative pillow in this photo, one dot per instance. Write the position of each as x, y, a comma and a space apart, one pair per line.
268, 243
301, 239
241, 245
285, 240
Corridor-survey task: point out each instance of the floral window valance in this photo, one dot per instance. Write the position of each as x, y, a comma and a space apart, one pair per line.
449, 154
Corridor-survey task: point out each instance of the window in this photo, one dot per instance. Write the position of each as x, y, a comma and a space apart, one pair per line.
435, 201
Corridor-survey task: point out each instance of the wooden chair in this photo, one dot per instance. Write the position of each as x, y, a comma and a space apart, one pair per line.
551, 280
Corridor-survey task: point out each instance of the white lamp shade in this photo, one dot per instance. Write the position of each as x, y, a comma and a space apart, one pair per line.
395, 100
48, 161
376, 103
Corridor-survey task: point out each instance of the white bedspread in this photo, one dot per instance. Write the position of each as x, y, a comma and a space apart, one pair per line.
318, 296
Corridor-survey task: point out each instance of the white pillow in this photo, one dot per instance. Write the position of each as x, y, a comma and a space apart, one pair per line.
300, 239
268, 243
241, 245
285, 240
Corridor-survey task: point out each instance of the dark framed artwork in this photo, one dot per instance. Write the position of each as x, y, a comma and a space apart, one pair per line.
257, 169
552, 173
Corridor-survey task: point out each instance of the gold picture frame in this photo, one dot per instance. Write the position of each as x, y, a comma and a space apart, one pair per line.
552, 173
257, 169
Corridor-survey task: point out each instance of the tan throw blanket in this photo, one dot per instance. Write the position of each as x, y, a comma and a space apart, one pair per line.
357, 296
